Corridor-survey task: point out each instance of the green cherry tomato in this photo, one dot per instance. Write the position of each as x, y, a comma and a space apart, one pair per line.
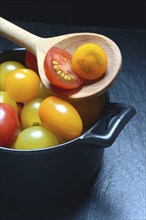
5, 69
29, 114
36, 137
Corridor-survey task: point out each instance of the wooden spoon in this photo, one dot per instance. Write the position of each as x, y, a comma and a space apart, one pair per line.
69, 42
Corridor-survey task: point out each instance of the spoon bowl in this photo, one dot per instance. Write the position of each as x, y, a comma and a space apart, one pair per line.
69, 42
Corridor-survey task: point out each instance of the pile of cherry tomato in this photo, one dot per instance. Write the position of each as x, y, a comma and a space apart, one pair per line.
31, 116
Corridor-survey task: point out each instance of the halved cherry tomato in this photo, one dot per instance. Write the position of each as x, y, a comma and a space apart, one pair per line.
31, 61
89, 61
57, 66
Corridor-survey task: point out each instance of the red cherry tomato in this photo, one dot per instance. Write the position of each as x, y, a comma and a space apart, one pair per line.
19, 110
9, 125
31, 61
57, 66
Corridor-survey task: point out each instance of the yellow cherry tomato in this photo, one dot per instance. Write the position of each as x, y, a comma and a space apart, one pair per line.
60, 117
5, 68
36, 137
5, 98
89, 61
22, 85
29, 114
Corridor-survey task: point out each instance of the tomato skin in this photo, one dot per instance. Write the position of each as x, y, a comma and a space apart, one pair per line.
5, 68
31, 61
36, 137
60, 117
5, 98
29, 114
57, 66
22, 85
19, 110
9, 125
89, 61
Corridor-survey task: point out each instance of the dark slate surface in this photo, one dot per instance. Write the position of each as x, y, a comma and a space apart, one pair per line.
118, 192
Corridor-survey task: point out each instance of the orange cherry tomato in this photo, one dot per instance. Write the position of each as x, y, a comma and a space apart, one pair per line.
60, 117
57, 66
22, 85
89, 61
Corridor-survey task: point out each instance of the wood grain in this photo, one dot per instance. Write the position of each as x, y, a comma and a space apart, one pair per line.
70, 42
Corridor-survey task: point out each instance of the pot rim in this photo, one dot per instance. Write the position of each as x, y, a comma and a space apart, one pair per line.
79, 138
55, 147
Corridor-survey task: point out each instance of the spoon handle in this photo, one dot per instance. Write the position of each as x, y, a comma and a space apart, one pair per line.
18, 35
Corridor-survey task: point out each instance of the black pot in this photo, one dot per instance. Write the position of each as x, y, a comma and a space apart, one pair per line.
34, 178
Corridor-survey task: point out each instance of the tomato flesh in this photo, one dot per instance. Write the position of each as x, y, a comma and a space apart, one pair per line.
89, 61
57, 66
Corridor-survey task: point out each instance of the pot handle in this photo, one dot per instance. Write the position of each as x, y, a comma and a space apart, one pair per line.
118, 116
